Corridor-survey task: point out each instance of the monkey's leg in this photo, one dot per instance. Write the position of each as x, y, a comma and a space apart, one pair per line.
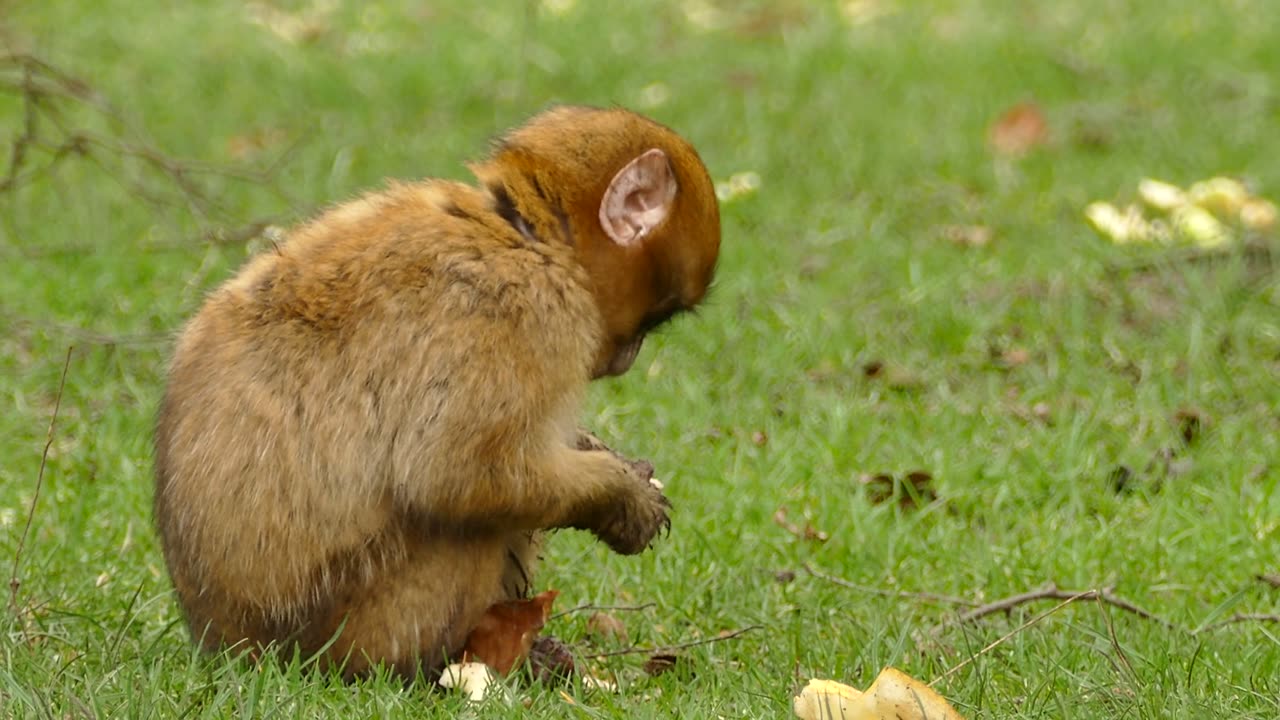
415, 615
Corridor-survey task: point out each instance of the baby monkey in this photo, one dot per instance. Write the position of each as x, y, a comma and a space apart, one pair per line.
365, 430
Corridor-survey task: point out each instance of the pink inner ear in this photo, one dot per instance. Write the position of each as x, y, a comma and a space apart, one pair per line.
638, 198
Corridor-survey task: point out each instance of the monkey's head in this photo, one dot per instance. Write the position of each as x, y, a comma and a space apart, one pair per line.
633, 199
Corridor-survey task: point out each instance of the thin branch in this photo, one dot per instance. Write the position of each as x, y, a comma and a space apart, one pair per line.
637, 650
925, 596
600, 608
1003, 638
1272, 580
1052, 592
1239, 618
14, 582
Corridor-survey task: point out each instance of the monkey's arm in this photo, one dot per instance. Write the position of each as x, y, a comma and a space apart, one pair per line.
502, 452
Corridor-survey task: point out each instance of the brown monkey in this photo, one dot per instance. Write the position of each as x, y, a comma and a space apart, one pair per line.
365, 430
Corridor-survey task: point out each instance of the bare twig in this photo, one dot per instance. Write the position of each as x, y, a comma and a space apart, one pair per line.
14, 582
1272, 580
46, 138
906, 594
602, 608
1003, 638
1052, 592
637, 650
1240, 618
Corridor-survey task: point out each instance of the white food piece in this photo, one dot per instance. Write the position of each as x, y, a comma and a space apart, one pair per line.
475, 679
656, 483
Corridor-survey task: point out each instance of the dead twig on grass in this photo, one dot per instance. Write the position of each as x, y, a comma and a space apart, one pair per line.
602, 608
1003, 638
1239, 618
667, 649
882, 592
1272, 580
47, 96
14, 582
1052, 592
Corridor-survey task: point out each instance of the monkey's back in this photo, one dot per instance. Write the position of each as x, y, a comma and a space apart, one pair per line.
312, 390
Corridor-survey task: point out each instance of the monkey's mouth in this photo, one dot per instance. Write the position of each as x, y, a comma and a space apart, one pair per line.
623, 358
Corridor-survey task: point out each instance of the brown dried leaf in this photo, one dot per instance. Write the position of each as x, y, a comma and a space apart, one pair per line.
1191, 423
503, 637
604, 625
661, 663
913, 490
784, 577
972, 236
1019, 130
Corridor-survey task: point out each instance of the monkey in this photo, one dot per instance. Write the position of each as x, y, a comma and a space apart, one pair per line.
366, 432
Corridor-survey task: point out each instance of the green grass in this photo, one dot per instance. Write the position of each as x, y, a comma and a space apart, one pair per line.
869, 140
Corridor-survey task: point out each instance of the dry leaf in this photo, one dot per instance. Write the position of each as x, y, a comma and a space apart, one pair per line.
913, 490
1019, 130
506, 632
967, 235
604, 625
1191, 422
661, 663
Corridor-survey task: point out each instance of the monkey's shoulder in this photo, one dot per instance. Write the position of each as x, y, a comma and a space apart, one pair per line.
424, 249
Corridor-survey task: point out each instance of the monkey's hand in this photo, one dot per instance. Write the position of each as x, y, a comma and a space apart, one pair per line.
634, 509
636, 513
588, 441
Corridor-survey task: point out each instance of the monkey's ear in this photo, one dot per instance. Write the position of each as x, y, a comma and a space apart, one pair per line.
639, 198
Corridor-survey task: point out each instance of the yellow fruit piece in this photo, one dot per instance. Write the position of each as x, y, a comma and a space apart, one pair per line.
1119, 227
1161, 195
1200, 226
893, 696
1258, 215
1221, 196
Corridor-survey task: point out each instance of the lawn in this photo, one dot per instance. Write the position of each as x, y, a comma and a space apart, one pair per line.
895, 297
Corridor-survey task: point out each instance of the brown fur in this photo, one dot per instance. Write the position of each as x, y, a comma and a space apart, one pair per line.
365, 430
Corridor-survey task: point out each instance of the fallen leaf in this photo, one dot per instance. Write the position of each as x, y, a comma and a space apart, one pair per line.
604, 625
783, 577
973, 236
1019, 130
506, 632
1191, 423
663, 662
913, 490
1272, 580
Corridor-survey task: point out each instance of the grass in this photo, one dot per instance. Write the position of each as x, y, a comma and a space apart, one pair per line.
869, 140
